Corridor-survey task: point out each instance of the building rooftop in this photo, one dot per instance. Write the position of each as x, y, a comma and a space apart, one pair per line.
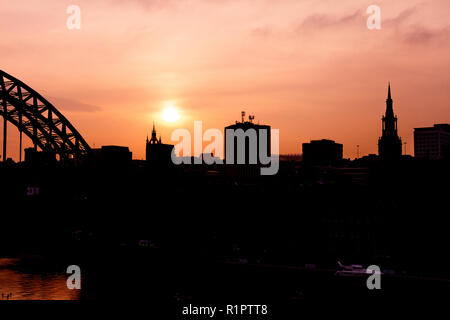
441, 126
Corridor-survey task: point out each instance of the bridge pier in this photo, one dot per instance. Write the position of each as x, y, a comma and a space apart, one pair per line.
20, 136
35, 137
4, 137
20, 146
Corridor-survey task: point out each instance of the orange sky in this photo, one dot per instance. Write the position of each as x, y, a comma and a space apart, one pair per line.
310, 68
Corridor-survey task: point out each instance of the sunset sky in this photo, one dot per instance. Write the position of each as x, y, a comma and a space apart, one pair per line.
310, 68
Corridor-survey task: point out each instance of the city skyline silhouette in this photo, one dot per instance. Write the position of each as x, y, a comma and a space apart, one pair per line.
389, 127
277, 68
310, 162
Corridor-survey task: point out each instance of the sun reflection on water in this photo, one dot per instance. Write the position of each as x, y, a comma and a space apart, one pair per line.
19, 285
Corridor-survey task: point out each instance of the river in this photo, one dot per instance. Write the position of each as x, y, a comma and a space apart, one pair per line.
19, 281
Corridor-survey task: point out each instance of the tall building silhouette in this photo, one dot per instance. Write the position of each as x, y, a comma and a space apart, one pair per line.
158, 154
245, 143
389, 144
432, 142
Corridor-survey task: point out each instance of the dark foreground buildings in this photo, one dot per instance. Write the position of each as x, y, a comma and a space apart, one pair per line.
389, 144
115, 155
217, 239
322, 152
432, 143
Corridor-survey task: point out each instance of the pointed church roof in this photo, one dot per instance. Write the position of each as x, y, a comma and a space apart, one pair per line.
389, 107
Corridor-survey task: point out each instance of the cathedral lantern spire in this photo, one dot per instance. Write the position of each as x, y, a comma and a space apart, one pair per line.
154, 139
158, 154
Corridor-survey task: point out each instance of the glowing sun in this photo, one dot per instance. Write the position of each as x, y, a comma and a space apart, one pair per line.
170, 114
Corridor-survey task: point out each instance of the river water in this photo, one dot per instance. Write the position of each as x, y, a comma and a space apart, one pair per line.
17, 282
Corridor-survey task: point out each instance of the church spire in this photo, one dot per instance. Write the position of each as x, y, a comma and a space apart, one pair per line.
389, 144
389, 92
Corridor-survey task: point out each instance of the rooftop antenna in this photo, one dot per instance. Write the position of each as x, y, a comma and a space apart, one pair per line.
243, 116
251, 118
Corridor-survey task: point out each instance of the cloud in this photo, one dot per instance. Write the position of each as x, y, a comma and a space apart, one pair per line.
321, 21
263, 31
72, 105
147, 4
414, 32
424, 36
400, 18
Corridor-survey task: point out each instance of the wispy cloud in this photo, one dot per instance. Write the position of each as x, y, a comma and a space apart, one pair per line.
321, 21
147, 4
73, 105
421, 35
401, 18
262, 31
412, 31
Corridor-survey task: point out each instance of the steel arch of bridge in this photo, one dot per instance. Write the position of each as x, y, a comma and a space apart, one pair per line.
33, 115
